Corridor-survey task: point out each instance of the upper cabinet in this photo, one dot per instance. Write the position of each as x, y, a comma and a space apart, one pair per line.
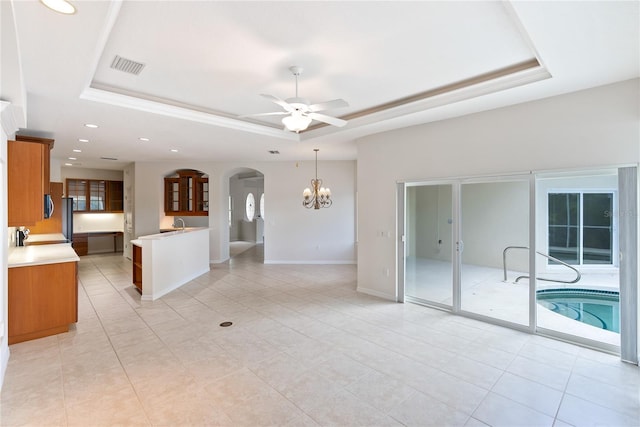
186, 193
27, 179
95, 195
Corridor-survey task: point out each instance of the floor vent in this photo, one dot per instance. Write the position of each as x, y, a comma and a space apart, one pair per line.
128, 66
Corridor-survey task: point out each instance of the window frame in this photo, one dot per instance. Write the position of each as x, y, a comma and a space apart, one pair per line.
614, 225
251, 205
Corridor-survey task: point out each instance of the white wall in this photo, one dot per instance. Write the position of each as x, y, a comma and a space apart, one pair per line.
292, 233
13, 115
128, 185
4, 333
589, 128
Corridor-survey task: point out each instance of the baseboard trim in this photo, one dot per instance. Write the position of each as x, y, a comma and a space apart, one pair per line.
4, 361
375, 293
302, 262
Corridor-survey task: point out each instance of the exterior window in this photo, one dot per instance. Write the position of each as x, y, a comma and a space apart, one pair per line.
250, 207
581, 227
262, 205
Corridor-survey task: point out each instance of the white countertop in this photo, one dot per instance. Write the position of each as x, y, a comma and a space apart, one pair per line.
41, 254
96, 231
53, 237
167, 234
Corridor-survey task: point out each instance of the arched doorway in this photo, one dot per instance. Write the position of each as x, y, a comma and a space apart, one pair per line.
246, 214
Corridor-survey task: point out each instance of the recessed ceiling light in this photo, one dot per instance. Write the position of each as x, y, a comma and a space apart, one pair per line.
91, 125
83, 140
143, 139
72, 158
68, 164
174, 150
77, 150
61, 6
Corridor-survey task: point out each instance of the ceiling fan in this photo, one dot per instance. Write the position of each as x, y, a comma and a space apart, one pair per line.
299, 112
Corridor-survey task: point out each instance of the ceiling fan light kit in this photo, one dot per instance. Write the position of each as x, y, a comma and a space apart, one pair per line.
296, 122
299, 112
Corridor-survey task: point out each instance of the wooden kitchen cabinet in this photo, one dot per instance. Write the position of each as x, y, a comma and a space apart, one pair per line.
137, 267
27, 179
95, 195
186, 193
42, 300
54, 223
80, 243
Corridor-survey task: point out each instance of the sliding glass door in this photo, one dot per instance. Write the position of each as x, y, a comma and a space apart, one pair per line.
553, 253
495, 256
578, 292
429, 244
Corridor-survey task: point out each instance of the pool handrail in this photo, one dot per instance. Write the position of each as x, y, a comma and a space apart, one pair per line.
504, 267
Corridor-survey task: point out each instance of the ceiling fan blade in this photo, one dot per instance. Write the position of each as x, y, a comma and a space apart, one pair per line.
327, 119
328, 105
278, 113
284, 104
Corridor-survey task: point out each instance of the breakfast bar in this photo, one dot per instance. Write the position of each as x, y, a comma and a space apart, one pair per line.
163, 262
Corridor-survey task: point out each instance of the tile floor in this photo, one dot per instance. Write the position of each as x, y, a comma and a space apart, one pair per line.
305, 349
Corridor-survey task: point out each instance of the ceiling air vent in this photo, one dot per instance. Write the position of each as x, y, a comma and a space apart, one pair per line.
128, 66
108, 158
274, 152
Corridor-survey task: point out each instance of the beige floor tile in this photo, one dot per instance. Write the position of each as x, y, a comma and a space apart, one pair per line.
121, 407
529, 393
579, 412
381, 391
498, 411
422, 410
305, 349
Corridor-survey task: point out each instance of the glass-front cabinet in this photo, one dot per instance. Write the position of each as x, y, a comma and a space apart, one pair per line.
186, 193
95, 195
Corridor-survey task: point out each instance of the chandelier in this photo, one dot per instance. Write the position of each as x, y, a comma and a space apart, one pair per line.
318, 196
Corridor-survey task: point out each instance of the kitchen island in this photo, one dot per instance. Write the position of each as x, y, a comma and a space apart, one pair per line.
163, 262
42, 291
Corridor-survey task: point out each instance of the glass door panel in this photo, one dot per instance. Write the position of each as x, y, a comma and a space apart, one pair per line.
578, 224
495, 219
429, 244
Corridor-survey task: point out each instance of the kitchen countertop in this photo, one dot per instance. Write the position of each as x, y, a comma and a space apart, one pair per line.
96, 231
166, 235
24, 256
37, 238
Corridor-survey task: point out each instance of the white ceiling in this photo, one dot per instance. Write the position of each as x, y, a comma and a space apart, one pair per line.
206, 63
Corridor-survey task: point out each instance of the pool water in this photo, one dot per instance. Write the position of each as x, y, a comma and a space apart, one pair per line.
600, 309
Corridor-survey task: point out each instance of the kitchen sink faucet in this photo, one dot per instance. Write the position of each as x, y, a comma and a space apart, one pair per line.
178, 219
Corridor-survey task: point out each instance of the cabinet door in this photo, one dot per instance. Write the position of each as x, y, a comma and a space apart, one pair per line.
25, 183
171, 195
42, 300
77, 190
97, 196
115, 196
54, 223
202, 194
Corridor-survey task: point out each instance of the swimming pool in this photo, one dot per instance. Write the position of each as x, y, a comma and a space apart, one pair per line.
600, 309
